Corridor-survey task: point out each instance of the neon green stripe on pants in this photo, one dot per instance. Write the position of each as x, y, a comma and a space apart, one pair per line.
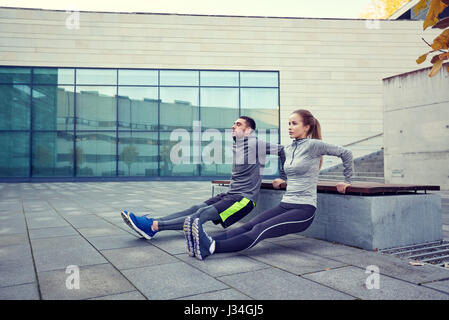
234, 208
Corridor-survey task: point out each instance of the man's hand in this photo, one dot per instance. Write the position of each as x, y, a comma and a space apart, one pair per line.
278, 183
341, 186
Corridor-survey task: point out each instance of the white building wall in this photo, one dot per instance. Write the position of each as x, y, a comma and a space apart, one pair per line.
332, 67
416, 128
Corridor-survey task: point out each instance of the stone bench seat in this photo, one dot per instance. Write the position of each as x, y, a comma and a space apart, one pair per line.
371, 216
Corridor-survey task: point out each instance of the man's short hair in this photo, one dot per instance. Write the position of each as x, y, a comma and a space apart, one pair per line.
249, 121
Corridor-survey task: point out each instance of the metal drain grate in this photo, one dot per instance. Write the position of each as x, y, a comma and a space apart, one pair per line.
436, 253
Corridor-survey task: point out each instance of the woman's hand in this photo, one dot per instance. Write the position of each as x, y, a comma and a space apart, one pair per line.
341, 186
278, 183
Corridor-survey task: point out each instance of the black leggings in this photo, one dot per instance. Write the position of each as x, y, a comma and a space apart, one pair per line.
283, 219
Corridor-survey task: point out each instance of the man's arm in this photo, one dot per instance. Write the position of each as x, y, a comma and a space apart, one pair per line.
277, 149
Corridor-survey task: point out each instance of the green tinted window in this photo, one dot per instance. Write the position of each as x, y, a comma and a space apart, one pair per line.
53, 154
96, 108
96, 76
259, 79
15, 75
179, 108
53, 76
138, 77
138, 108
53, 107
96, 154
219, 107
14, 154
219, 78
15, 108
262, 105
179, 78
138, 154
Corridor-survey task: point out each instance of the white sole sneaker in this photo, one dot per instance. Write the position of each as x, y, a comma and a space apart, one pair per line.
131, 224
187, 228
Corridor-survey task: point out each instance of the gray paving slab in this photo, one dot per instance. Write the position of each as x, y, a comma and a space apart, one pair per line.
14, 223
126, 240
226, 294
395, 267
16, 265
136, 257
27, 291
172, 281
290, 260
11, 207
60, 252
104, 230
15, 251
108, 214
171, 241
224, 264
45, 221
352, 280
52, 232
275, 284
133, 295
94, 281
439, 285
87, 221
13, 239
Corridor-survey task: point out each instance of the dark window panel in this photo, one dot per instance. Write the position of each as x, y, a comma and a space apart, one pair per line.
53, 107
14, 154
15, 108
179, 108
53, 76
96, 154
216, 152
138, 154
176, 149
15, 75
53, 154
96, 108
138, 108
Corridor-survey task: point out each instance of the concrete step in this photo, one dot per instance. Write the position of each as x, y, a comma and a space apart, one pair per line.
371, 165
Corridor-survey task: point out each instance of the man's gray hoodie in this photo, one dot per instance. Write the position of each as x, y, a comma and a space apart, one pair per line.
249, 155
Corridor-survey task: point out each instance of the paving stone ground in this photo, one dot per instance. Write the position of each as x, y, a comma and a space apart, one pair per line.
50, 231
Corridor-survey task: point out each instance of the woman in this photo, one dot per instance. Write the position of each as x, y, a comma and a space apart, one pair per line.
296, 211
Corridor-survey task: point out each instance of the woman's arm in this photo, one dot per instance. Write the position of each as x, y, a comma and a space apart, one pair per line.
321, 148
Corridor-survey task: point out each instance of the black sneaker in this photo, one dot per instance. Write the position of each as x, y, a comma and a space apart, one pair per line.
187, 228
203, 244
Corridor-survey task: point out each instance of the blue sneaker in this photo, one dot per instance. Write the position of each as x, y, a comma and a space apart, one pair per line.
187, 228
125, 218
204, 245
141, 225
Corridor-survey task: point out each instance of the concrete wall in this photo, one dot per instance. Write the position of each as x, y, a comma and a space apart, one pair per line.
332, 67
416, 128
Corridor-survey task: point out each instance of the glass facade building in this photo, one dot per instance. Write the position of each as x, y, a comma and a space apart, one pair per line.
119, 123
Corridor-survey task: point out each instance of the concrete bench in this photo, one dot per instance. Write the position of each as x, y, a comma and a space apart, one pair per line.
371, 216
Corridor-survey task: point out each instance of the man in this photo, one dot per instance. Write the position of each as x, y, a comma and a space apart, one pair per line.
226, 208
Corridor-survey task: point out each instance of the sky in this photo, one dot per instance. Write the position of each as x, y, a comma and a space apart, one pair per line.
276, 8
